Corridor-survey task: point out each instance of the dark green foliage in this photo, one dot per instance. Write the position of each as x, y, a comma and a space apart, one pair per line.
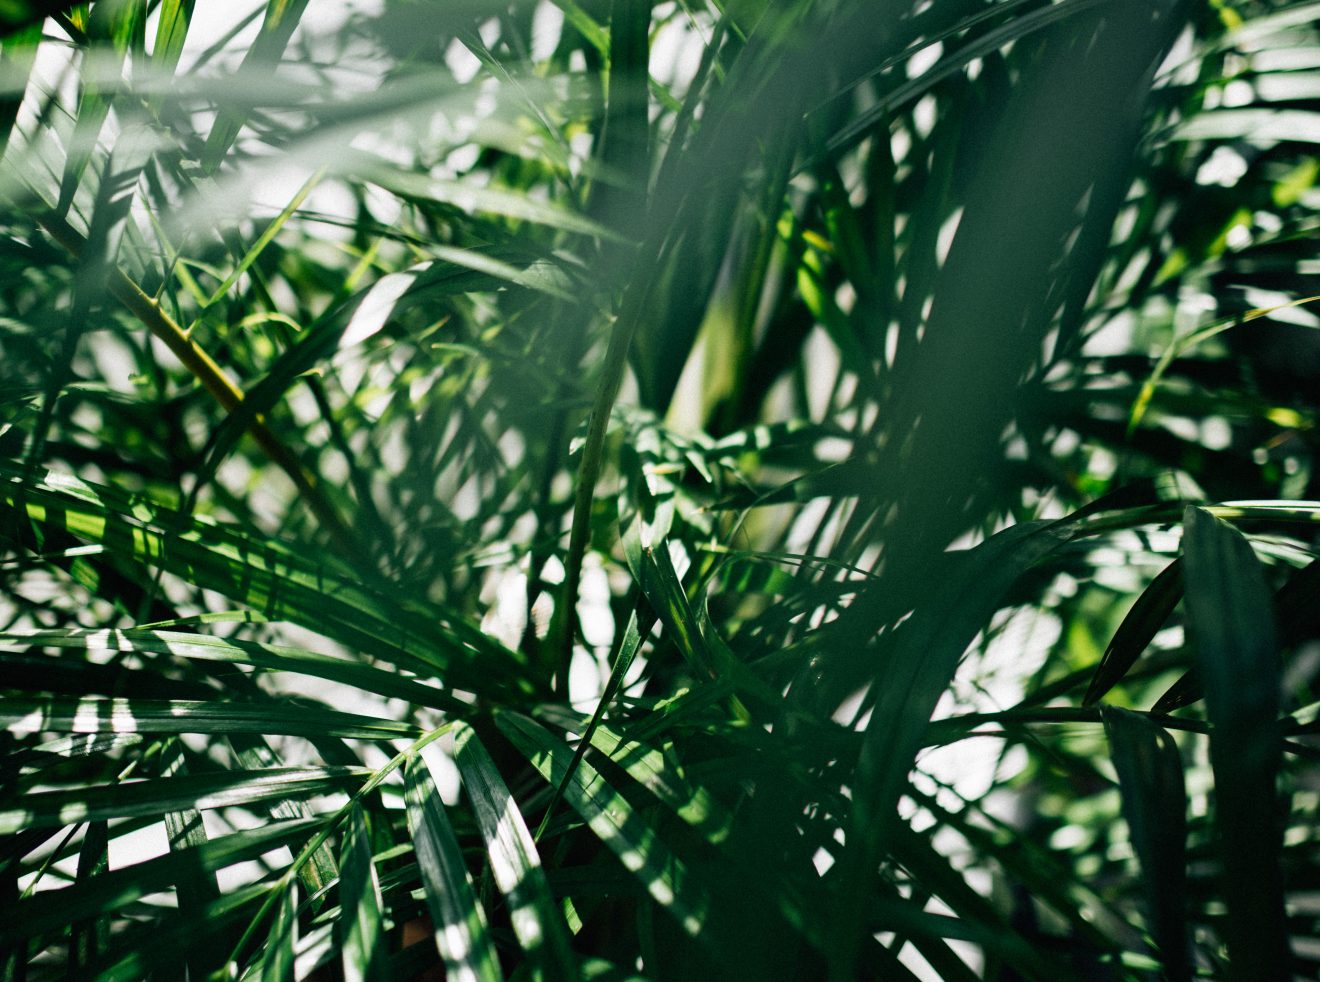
1150, 776
616, 490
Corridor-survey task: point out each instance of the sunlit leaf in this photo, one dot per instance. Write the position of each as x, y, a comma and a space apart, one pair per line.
514, 860
1139, 627
613, 820
460, 923
360, 899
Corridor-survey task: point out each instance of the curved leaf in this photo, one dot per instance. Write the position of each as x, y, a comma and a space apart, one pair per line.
253, 570
52, 909
279, 953
155, 797
97, 715
1231, 621
1150, 777
360, 902
1139, 627
206, 648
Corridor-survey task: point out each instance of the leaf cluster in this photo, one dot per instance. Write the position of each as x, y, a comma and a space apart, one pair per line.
603, 489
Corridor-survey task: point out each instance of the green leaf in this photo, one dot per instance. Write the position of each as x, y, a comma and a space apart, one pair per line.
111, 27
938, 875
590, 30
659, 581
1150, 777
184, 830
613, 820
628, 646
649, 767
255, 754
1231, 623
266, 237
459, 272
901, 276
79, 745
18, 53
489, 200
17, 14
1015, 30
88, 937
1185, 691
360, 902
1298, 621
204, 648
155, 797
92, 714
171, 31
537, 922
153, 946
923, 659
51, 910
460, 923
257, 571
541, 276
262, 58
914, 672
278, 955
1139, 627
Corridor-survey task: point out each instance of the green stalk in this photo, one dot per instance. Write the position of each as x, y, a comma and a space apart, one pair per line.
626, 151
213, 378
616, 360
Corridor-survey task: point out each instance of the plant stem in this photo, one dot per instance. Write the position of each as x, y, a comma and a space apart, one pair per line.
212, 377
616, 360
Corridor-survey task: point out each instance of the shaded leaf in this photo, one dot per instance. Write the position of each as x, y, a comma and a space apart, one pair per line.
263, 56
155, 797
115, 22
184, 830
206, 648
254, 570
278, 954
96, 715
1155, 807
1139, 627
52, 909
1231, 622
1184, 692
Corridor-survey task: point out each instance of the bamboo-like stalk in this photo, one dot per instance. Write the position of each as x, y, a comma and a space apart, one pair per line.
213, 378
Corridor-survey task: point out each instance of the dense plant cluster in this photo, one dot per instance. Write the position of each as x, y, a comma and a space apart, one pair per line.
611, 489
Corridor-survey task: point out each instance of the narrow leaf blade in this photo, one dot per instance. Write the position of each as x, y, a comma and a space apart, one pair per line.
514, 861
1232, 625
279, 954
156, 797
613, 820
460, 923
360, 902
1139, 627
1150, 777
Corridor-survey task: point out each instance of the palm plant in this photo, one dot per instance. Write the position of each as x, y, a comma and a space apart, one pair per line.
611, 489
